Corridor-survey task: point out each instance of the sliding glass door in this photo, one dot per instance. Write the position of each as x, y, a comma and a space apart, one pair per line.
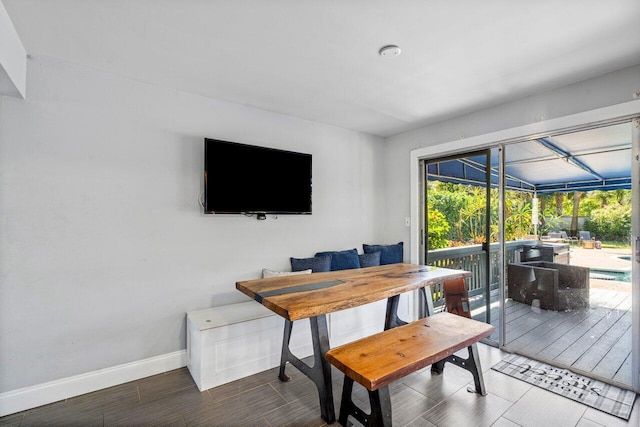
458, 227
549, 227
635, 253
568, 287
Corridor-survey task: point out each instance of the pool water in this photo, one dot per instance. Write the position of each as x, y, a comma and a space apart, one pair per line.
620, 276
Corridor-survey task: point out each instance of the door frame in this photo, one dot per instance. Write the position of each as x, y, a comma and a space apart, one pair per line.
424, 232
635, 252
580, 121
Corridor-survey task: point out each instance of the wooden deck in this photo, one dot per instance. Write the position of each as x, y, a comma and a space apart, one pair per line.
593, 340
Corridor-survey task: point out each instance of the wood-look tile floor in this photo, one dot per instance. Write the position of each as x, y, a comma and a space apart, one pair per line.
172, 399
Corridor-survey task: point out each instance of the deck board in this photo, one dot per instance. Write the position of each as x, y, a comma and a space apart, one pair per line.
596, 339
585, 342
599, 341
544, 335
611, 363
572, 334
624, 373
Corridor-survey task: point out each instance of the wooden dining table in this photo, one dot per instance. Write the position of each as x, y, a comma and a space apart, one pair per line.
313, 296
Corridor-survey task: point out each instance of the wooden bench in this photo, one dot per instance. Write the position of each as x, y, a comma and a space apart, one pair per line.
380, 359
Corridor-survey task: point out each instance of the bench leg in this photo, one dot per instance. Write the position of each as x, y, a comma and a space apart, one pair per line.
380, 402
320, 372
346, 405
380, 407
471, 364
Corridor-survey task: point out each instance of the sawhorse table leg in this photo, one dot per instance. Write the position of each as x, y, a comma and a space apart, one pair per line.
320, 372
392, 320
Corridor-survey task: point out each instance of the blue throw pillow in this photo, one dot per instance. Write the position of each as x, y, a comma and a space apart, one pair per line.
369, 260
389, 254
342, 260
317, 264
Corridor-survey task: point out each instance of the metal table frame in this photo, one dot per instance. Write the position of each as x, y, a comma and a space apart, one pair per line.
391, 281
320, 372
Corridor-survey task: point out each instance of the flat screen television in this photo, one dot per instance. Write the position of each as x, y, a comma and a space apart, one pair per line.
246, 179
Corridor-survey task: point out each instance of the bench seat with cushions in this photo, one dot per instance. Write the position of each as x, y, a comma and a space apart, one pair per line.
218, 337
373, 255
342, 260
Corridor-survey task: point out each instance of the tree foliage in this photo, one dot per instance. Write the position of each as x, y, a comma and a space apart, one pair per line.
456, 213
438, 230
517, 216
463, 208
610, 222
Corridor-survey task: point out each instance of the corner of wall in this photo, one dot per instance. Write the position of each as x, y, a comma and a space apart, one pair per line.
13, 59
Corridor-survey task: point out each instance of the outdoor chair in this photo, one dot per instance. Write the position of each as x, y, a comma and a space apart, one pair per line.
456, 297
586, 241
552, 238
566, 238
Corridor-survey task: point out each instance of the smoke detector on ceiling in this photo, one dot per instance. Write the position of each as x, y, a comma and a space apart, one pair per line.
390, 51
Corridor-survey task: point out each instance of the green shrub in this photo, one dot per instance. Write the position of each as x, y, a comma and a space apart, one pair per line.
611, 222
438, 229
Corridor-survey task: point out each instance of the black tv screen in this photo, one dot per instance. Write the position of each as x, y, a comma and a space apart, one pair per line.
246, 179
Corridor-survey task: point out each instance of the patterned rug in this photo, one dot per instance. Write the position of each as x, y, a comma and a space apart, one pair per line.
598, 395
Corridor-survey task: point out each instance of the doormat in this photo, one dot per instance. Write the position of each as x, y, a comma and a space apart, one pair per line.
597, 394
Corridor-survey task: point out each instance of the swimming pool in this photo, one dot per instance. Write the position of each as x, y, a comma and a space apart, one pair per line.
625, 257
620, 276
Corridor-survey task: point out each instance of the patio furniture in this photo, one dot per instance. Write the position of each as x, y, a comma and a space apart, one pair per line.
552, 237
559, 237
567, 238
456, 297
537, 253
550, 252
557, 287
586, 241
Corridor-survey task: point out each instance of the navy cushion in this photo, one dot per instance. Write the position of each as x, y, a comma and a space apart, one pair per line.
389, 254
316, 264
342, 260
369, 260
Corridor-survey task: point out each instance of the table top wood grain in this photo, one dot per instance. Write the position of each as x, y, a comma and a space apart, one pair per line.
379, 359
308, 295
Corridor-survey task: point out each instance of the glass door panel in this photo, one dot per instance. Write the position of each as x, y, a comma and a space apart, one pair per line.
568, 275
458, 228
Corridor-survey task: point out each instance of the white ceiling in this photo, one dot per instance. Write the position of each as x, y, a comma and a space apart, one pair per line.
319, 59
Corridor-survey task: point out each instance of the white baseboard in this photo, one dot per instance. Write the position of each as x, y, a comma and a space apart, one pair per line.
54, 391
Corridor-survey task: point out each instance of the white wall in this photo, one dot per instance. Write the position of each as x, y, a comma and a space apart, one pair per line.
103, 244
609, 89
